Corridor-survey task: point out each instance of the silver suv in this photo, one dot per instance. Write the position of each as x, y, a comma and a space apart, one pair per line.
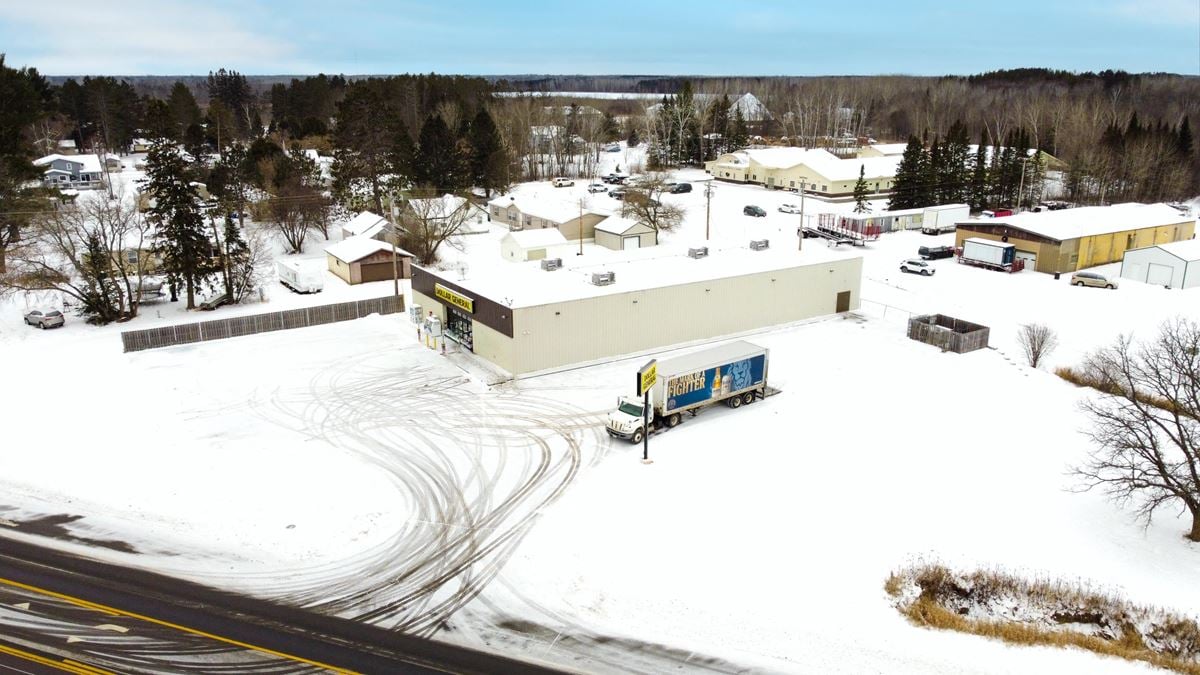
1093, 279
48, 319
914, 266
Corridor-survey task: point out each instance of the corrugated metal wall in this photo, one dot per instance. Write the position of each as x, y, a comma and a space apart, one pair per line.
595, 328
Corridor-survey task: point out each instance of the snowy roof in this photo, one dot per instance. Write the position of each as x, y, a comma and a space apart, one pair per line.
525, 284
356, 248
87, 163
825, 163
544, 236
363, 222
1188, 250
618, 225
1092, 220
448, 204
890, 148
67, 143
555, 210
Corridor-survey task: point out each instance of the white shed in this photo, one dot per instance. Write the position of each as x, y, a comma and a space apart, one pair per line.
620, 234
1174, 265
523, 245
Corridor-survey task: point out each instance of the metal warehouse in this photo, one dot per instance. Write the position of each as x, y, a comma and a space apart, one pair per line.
1175, 265
526, 318
1073, 239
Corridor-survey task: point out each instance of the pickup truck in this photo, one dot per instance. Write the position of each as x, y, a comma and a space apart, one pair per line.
935, 252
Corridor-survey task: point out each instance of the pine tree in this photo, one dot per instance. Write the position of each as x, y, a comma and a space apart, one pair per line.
438, 161
860, 191
183, 108
633, 139
239, 280
932, 173
739, 135
906, 188
1183, 138
978, 194
180, 237
489, 159
956, 174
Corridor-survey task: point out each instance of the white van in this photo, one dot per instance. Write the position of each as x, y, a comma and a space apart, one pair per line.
301, 277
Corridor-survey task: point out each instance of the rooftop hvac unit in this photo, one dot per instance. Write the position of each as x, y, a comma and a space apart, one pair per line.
551, 264
701, 252
760, 244
603, 278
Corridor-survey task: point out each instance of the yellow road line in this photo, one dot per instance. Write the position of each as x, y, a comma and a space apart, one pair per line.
92, 670
120, 612
65, 666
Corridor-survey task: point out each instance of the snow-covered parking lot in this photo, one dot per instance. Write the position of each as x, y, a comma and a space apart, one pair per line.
319, 466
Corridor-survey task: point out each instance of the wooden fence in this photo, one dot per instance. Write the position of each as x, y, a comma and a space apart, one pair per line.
234, 326
949, 333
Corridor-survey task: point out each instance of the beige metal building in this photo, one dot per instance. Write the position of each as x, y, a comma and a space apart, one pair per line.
1074, 239
619, 233
817, 171
525, 319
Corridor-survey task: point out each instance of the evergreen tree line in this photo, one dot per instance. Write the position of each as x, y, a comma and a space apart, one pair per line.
949, 171
686, 129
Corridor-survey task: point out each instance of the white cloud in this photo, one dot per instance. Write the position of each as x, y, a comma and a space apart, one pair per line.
133, 37
1163, 12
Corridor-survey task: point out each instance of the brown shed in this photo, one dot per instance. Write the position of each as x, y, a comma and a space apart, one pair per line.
358, 260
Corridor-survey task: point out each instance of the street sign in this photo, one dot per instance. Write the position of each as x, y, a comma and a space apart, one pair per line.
647, 376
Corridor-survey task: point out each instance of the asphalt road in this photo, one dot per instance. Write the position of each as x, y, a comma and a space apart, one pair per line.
165, 622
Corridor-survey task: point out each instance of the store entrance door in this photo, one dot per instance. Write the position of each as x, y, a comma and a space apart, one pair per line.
458, 328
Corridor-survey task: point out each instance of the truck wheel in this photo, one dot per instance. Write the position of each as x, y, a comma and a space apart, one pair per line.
674, 420
637, 437
748, 398
735, 402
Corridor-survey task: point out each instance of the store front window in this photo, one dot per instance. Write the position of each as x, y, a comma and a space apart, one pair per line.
458, 328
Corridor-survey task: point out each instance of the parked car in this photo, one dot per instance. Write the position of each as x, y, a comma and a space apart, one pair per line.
562, 182
752, 210
935, 252
617, 194
914, 266
597, 187
679, 188
1093, 279
48, 319
615, 147
789, 208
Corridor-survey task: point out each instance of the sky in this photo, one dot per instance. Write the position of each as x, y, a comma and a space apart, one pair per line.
693, 37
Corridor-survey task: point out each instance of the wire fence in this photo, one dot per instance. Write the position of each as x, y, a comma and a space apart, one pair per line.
219, 329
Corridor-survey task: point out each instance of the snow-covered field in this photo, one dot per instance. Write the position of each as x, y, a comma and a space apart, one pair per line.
311, 465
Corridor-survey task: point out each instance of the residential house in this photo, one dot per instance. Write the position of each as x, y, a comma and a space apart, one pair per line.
365, 224
79, 172
471, 217
529, 212
67, 147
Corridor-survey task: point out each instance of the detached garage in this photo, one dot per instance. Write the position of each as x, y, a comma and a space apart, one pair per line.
1174, 265
359, 260
522, 245
622, 234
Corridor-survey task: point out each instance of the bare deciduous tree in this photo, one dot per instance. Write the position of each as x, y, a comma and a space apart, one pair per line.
1037, 341
428, 222
643, 203
1147, 425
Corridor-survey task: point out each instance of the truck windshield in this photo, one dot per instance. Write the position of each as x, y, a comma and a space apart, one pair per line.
631, 409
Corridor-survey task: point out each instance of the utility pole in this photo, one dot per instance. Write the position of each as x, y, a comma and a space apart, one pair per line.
580, 226
708, 194
803, 180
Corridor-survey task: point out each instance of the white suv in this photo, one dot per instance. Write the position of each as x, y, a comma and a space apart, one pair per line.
915, 266
562, 182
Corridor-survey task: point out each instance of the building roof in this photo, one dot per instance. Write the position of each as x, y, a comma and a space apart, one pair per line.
525, 284
1187, 250
537, 238
556, 211
356, 248
890, 148
444, 205
620, 225
364, 222
821, 161
67, 143
88, 163
1087, 221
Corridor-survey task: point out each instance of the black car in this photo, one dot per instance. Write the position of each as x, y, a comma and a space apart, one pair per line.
617, 194
935, 252
752, 210
679, 188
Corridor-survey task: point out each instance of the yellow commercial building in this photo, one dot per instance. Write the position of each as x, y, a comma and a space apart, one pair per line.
817, 171
1074, 239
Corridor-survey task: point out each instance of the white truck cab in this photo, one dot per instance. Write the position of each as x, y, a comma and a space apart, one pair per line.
627, 420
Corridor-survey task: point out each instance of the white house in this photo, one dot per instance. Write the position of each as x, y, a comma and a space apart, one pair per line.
529, 212
474, 218
1174, 265
536, 244
365, 224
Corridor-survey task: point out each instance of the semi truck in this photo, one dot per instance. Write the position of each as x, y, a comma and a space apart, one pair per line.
734, 374
995, 255
299, 277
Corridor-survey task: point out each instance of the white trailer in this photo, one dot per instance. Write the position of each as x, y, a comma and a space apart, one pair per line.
300, 276
993, 255
944, 218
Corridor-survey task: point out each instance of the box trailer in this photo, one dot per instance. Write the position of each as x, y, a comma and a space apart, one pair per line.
300, 277
734, 374
944, 218
994, 255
